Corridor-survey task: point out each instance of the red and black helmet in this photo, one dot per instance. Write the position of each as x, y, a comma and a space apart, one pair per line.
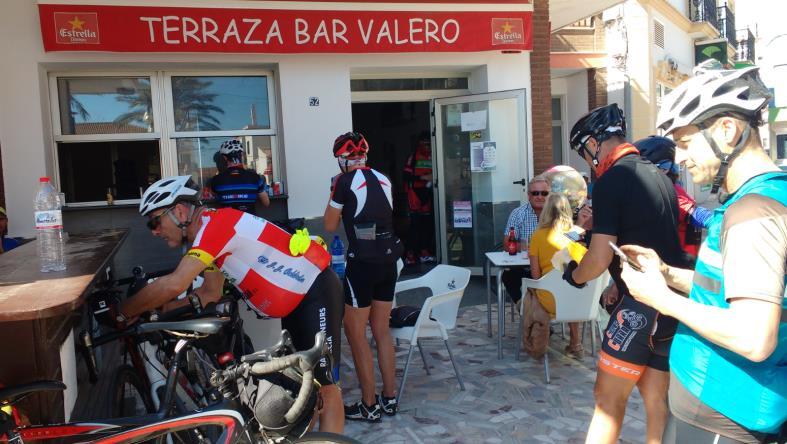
350, 145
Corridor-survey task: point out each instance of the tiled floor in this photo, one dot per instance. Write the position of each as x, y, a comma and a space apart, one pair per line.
505, 401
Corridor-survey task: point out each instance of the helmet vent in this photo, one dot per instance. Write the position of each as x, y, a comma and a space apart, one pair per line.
161, 197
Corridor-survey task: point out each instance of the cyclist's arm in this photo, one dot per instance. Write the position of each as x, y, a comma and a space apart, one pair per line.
163, 289
678, 278
264, 199
332, 218
756, 323
597, 259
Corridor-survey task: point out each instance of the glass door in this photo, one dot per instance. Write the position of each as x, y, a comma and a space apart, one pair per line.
481, 163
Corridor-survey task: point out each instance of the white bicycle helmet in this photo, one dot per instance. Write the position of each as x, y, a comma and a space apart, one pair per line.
167, 192
712, 92
232, 148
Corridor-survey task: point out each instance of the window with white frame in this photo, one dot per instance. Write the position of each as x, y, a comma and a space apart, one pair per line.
118, 134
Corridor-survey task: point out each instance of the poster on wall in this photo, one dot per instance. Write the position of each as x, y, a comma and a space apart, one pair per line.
483, 156
463, 214
452, 113
473, 121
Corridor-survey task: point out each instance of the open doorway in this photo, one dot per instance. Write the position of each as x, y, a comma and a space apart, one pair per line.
394, 131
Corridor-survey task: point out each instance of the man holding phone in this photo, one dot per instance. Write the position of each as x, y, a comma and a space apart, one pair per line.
727, 362
631, 200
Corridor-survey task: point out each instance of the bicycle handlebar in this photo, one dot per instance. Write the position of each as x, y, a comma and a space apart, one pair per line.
304, 361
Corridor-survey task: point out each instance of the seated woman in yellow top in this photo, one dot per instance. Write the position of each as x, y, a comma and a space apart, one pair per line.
548, 239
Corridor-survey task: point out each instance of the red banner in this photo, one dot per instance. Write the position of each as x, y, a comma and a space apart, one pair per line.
167, 29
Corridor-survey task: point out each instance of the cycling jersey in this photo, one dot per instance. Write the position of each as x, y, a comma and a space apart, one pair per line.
743, 256
254, 255
636, 203
238, 188
364, 197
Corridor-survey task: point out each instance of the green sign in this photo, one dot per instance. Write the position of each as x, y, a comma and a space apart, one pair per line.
711, 50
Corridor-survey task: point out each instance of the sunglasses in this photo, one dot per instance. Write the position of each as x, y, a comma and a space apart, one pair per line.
539, 193
155, 221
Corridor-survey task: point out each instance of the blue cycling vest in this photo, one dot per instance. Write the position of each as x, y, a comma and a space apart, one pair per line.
753, 394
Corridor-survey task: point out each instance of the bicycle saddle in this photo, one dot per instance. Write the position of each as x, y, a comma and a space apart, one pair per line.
12, 395
207, 326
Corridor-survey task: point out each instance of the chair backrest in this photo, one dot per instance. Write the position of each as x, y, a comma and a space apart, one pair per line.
571, 303
447, 284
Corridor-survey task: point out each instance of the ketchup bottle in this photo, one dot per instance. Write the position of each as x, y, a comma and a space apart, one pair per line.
513, 243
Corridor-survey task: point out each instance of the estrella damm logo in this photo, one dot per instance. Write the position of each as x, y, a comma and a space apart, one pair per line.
75, 28
508, 31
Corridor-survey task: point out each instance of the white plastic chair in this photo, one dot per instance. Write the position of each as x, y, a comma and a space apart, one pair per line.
438, 313
571, 305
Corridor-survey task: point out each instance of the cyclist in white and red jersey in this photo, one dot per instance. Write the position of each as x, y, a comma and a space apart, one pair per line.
255, 256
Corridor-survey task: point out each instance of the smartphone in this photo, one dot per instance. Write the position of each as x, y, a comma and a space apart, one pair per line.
623, 257
573, 235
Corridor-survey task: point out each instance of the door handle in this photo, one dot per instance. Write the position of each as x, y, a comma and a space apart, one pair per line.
522, 182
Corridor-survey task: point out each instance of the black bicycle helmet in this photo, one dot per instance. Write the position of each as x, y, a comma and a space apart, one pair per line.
600, 124
656, 149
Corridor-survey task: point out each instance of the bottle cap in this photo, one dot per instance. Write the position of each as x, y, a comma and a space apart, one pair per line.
43, 179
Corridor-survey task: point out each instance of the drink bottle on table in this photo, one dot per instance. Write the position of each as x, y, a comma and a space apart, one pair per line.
49, 227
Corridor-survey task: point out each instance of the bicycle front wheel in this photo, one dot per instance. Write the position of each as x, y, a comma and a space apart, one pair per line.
325, 438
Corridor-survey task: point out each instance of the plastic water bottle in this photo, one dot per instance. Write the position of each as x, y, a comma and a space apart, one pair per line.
49, 227
337, 256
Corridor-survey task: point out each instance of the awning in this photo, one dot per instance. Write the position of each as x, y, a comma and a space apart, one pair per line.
565, 12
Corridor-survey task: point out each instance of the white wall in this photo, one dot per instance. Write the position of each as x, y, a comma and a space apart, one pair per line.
22, 128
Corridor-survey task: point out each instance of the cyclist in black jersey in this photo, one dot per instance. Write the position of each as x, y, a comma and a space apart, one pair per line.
362, 198
631, 200
236, 186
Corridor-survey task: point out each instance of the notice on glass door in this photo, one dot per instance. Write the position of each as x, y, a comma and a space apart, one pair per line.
473, 121
463, 214
483, 156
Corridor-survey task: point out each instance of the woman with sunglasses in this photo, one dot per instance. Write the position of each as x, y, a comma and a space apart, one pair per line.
524, 221
555, 221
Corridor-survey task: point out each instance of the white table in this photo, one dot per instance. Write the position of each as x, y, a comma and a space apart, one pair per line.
500, 260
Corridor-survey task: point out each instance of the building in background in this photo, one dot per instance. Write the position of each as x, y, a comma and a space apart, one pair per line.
111, 95
636, 52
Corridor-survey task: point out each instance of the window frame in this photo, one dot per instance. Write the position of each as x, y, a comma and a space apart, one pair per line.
169, 106
163, 119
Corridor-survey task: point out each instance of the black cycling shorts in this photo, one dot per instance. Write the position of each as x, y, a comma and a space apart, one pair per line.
636, 337
364, 281
320, 310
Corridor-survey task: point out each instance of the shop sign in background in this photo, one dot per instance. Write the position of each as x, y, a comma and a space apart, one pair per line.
172, 29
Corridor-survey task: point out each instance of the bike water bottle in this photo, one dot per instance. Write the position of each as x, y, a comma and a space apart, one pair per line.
337, 256
49, 227
513, 243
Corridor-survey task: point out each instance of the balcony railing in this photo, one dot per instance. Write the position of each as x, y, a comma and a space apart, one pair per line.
745, 46
704, 11
727, 25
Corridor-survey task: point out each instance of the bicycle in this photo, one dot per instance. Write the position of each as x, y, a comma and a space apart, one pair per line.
237, 418
137, 382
